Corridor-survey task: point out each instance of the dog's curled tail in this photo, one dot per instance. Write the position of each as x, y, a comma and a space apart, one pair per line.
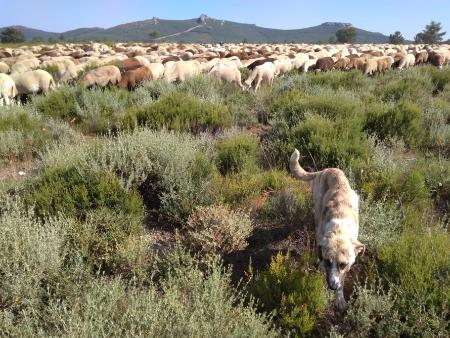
297, 171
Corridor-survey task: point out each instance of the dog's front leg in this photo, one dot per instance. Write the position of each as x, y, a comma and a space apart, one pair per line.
341, 304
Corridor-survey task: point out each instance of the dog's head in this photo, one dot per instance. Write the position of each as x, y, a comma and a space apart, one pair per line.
337, 255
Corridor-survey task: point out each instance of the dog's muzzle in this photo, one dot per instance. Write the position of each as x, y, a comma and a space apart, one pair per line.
333, 282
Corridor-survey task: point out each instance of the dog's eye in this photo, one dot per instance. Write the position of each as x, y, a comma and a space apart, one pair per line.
342, 266
328, 262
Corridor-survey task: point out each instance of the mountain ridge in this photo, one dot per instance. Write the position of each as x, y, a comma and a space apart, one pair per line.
204, 30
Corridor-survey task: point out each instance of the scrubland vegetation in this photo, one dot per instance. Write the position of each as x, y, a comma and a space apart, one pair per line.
169, 210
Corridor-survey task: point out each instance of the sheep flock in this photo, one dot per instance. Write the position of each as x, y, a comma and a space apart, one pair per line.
29, 70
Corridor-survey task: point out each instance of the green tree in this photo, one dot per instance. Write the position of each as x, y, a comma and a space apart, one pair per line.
154, 34
431, 34
11, 34
345, 35
396, 38
62, 37
38, 39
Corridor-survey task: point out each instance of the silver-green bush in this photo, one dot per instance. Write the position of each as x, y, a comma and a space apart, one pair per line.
217, 229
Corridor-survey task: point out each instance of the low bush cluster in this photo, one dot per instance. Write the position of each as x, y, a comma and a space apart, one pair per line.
73, 193
218, 230
417, 271
171, 171
239, 189
401, 121
24, 134
237, 153
290, 206
183, 112
42, 295
291, 293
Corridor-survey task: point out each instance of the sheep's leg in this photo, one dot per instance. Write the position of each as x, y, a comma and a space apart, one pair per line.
258, 83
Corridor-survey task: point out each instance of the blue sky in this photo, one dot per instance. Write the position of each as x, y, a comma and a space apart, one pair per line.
385, 16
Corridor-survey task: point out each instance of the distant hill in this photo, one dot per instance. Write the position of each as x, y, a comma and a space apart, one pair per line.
31, 33
205, 29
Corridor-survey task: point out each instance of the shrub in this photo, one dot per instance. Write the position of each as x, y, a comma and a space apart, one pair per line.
288, 206
331, 144
439, 77
333, 107
288, 105
240, 188
293, 105
158, 88
294, 295
236, 153
438, 182
140, 312
204, 87
416, 268
218, 230
74, 192
23, 134
101, 111
101, 237
412, 87
245, 73
353, 80
31, 255
247, 110
328, 143
61, 103
13, 144
183, 112
173, 172
18, 118
372, 313
52, 70
400, 121
380, 222
188, 301
404, 185
96, 111
436, 127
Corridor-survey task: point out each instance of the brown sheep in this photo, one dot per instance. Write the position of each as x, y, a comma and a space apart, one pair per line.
436, 59
356, 63
4, 54
397, 58
385, 63
102, 76
370, 67
127, 64
376, 53
132, 78
171, 58
324, 64
422, 57
342, 63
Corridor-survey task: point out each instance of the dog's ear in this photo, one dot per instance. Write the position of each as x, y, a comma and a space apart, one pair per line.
359, 247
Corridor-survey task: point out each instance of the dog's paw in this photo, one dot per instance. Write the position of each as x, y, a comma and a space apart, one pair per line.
341, 304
